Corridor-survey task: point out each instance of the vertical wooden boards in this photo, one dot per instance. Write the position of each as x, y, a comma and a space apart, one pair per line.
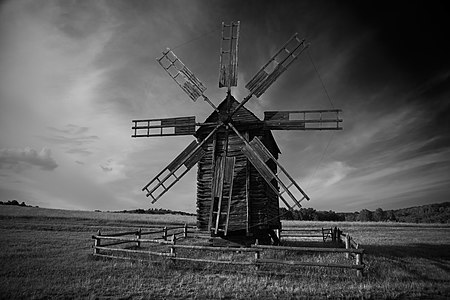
205, 180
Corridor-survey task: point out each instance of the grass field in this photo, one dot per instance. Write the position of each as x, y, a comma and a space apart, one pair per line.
47, 254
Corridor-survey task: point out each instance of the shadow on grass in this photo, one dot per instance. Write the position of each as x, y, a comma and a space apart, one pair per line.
426, 251
420, 261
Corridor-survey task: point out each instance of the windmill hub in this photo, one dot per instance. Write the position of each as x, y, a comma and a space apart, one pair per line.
224, 117
239, 180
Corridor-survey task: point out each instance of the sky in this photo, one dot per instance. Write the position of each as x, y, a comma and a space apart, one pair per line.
73, 74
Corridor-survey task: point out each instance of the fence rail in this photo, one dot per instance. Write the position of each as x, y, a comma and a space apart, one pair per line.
168, 243
324, 234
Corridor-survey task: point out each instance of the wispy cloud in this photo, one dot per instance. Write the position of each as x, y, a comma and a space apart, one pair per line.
26, 158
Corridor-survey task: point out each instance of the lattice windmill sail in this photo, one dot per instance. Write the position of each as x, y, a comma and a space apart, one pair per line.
239, 178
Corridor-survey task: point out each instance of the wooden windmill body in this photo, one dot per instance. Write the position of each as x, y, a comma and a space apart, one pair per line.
253, 204
239, 180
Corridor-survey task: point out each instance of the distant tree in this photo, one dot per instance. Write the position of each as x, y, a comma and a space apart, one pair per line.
365, 215
285, 214
379, 215
390, 215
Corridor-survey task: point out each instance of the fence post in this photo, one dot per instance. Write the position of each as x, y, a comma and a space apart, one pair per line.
257, 257
97, 243
172, 249
165, 233
277, 233
333, 234
339, 235
347, 245
359, 257
138, 236
185, 231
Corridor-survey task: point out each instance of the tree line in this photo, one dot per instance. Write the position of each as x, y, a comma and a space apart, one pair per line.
432, 213
155, 211
15, 203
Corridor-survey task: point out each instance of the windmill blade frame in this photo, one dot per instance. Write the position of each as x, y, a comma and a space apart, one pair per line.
164, 127
183, 77
187, 158
259, 155
303, 120
229, 45
276, 66
273, 69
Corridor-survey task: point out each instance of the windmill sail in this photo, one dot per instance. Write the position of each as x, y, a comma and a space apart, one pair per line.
229, 54
274, 68
303, 120
259, 156
276, 65
171, 174
181, 74
163, 127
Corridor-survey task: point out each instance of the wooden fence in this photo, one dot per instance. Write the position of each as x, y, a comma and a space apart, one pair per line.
167, 240
309, 234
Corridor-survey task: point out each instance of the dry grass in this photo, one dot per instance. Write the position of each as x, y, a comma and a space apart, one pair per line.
103, 217
47, 254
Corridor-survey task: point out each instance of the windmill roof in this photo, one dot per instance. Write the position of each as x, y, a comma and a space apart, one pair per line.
241, 117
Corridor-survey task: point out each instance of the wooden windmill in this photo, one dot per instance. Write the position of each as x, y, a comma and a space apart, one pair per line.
239, 180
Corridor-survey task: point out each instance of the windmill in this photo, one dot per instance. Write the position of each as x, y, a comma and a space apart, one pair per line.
239, 180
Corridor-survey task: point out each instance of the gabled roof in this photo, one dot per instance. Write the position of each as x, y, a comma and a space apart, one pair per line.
242, 116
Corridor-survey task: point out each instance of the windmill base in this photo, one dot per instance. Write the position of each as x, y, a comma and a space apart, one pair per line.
242, 238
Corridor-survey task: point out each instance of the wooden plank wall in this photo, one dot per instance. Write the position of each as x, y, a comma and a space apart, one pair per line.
264, 207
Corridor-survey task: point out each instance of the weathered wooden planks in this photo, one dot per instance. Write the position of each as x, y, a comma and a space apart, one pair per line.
254, 205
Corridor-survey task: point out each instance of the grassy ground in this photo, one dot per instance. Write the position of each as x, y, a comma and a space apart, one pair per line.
47, 254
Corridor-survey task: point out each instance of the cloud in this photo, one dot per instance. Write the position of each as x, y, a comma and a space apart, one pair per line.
28, 157
70, 129
106, 169
71, 137
327, 175
113, 170
80, 151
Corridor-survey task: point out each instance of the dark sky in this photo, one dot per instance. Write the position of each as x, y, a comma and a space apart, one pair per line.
74, 74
